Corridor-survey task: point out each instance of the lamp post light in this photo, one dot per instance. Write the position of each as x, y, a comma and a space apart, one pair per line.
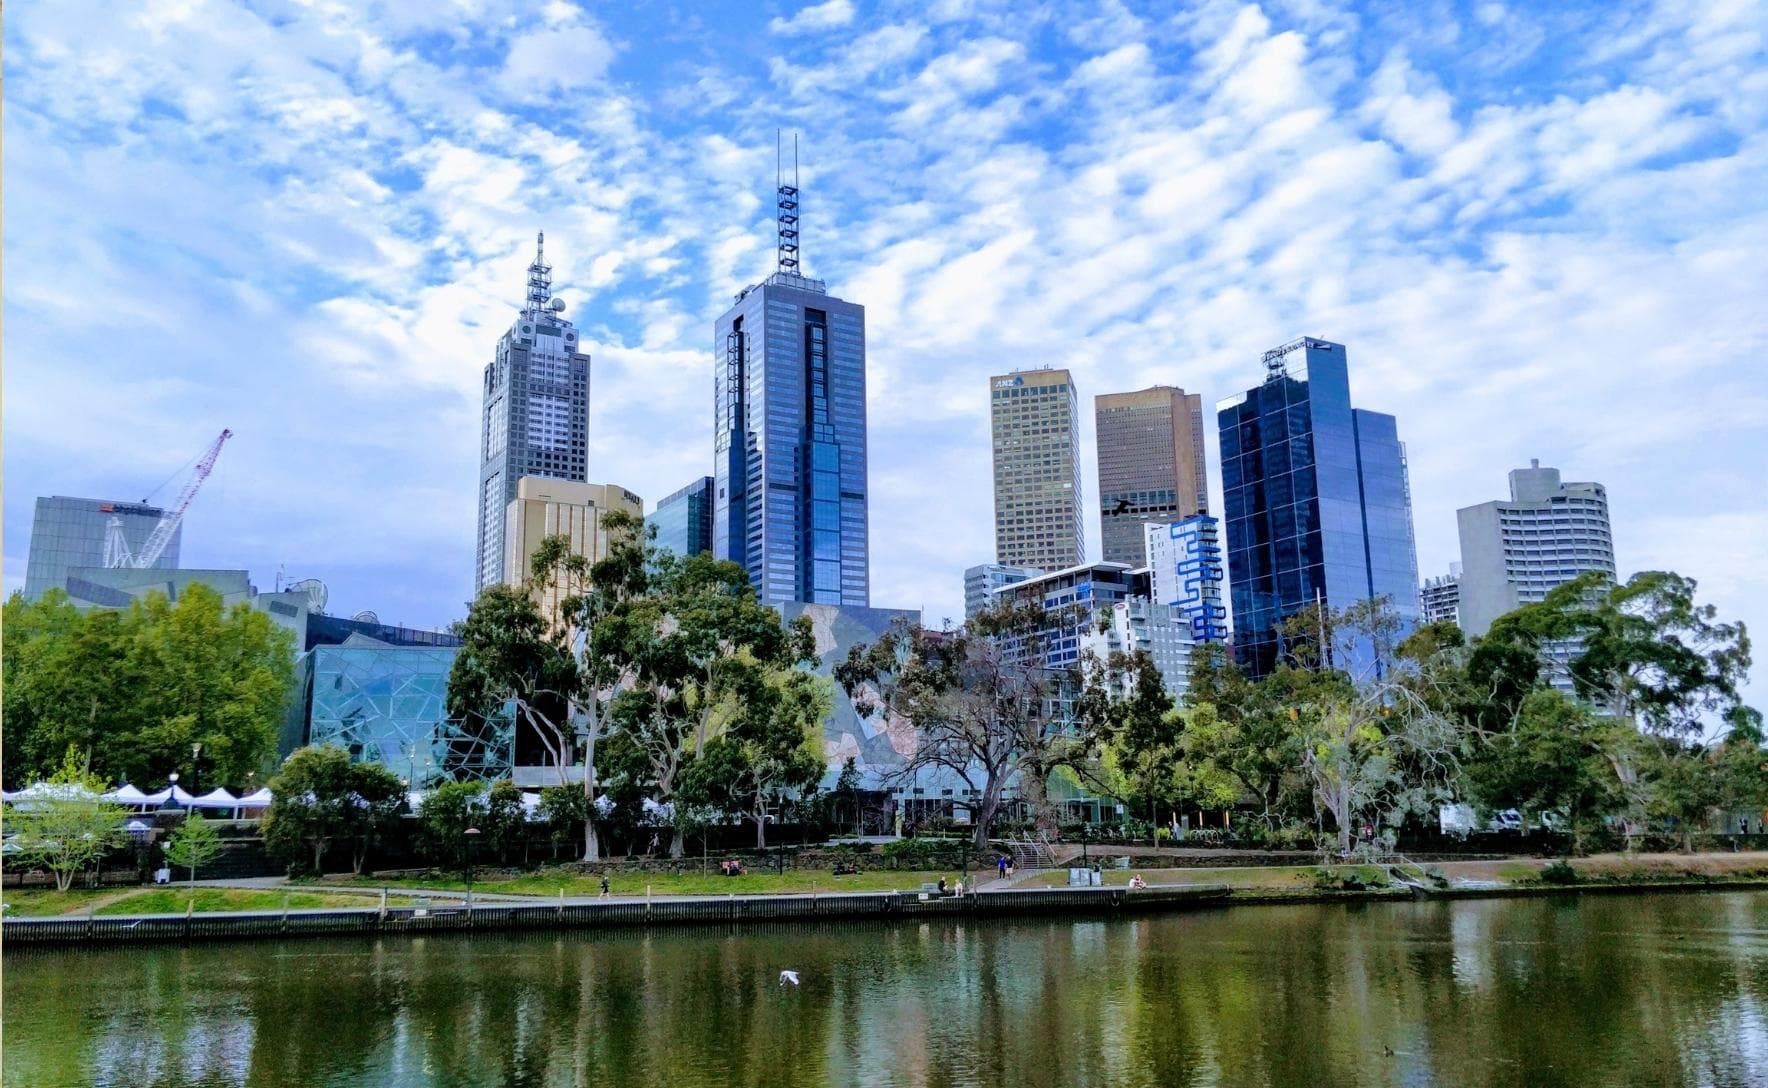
172, 796
196, 776
472, 836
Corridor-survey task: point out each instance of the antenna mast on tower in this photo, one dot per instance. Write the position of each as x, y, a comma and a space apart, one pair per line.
539, 278
787, 210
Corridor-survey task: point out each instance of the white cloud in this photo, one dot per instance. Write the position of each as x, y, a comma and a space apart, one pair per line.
829, 15
555, 59
1557, 259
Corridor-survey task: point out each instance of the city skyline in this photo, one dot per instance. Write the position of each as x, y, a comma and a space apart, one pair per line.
1508, 226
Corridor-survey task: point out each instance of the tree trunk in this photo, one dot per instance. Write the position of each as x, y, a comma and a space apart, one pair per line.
676, 849
760, 830
985, 814
592, 847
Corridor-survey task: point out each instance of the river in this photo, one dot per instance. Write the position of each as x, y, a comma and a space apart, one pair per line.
1600, 990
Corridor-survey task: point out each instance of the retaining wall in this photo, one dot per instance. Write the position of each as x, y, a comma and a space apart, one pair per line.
734, 910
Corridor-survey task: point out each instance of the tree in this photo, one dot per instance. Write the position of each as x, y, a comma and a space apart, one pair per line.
696, 644
847, 789
376, 796
312, 804
771, 749
134, 689
1373, 748
67, 827
1245, 733
983, 701
443, 818
1560, 757
1126, 703
195, 843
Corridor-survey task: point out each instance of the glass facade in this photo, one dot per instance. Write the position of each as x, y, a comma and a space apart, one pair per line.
388, 704
534, 420
1316, 502
683, 520
69, 532
790, 493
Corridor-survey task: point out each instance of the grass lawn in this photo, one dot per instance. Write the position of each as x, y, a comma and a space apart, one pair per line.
42, 902
548, 883
38, 903
1284, 876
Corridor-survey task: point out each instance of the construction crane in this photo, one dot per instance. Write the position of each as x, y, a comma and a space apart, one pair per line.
116, 549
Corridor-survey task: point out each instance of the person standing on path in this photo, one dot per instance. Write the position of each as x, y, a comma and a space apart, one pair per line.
1001, 865
604, 885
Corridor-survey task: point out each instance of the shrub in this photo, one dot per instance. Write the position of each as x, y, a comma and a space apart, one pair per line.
1559, 872
925, 853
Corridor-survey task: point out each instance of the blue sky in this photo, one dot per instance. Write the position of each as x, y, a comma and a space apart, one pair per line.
1539, 232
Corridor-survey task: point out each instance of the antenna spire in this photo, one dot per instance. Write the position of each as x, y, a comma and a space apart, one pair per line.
787, 207
539, 278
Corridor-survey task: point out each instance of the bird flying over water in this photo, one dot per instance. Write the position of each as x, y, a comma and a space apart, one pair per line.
788, 976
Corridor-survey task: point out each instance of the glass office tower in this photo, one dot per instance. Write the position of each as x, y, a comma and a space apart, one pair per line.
1316, 502
69, 532
535, 415
789, 442
683, 519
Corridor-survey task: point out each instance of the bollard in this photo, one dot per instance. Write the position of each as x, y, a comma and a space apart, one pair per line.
189, 913
285, 912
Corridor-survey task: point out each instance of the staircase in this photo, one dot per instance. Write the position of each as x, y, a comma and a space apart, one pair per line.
1032, 853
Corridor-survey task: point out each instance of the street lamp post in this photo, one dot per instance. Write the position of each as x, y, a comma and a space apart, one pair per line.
173, 797
472, 836
196, 776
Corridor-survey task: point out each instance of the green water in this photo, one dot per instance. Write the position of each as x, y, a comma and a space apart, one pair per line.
1618, 990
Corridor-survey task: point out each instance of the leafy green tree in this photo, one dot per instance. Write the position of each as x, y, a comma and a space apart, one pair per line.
376, 798
67, 828
1126, 704
847, 791
1247, 733
314, 802
772, 749
563, 809
1560, 757
134, 689
697, 644
505, 822
193, 844
449, 810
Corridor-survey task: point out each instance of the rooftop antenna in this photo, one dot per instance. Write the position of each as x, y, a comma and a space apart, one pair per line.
539, 278
787, 212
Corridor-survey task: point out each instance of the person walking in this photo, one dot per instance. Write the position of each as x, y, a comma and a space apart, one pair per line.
604, 885
1001, 866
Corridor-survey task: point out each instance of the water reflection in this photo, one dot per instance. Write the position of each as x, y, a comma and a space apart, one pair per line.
1622, 989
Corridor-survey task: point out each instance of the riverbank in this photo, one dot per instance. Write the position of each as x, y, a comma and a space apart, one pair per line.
1251, 887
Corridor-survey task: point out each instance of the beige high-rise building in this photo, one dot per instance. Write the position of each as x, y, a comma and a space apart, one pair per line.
1151, 466
545, 507
1037, 491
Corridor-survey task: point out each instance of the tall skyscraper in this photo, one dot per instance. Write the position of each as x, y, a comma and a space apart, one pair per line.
535, 420
1151, 465
68, 533
683, 519
1316, 500
1037, 492
1185, 572
789, 435
1513, 552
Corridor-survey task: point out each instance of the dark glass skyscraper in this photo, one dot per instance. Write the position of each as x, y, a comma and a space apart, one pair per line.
789, 442
1316, 501
535, 416
684, 519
